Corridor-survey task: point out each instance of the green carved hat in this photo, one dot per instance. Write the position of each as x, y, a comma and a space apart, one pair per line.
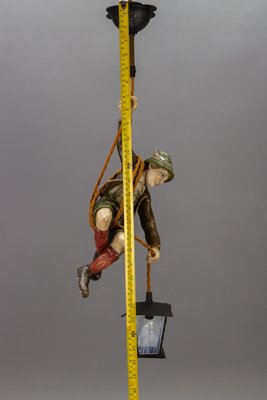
161, 159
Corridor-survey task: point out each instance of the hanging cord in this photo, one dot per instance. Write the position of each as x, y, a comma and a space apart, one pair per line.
139, 167
96, 191
137, 172
148, 265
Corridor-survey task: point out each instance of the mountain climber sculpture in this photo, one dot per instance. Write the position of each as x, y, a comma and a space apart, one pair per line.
109, 240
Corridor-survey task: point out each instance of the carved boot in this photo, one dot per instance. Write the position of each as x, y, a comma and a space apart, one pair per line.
88, 272
84, 276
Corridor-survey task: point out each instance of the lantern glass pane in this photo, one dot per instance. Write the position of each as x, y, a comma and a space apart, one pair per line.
149, 333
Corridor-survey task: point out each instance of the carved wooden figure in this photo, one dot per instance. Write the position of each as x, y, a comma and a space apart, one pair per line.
109, 240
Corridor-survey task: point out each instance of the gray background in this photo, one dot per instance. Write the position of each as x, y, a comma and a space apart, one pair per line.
202, 89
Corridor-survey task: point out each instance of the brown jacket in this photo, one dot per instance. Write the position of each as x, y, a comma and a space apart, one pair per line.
142, 205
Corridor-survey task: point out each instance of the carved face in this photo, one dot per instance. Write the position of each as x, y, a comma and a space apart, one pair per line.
156, 176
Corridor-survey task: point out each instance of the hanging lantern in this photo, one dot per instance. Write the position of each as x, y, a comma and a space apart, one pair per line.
151, 319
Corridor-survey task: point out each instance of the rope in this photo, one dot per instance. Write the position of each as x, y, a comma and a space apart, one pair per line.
136, 176
96, 192
148, 285
148, 266
139, 168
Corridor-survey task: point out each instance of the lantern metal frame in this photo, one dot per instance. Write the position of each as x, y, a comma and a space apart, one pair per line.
151, 309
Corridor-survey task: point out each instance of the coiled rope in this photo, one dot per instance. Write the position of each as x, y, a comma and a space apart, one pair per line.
137, 172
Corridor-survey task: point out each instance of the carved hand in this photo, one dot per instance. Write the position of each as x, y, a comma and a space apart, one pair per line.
153, 259
134, 103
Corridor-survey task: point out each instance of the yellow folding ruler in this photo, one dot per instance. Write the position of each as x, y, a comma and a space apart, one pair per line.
127, 165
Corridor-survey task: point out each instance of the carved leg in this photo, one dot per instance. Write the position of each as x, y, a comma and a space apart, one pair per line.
104, 260
101, 239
